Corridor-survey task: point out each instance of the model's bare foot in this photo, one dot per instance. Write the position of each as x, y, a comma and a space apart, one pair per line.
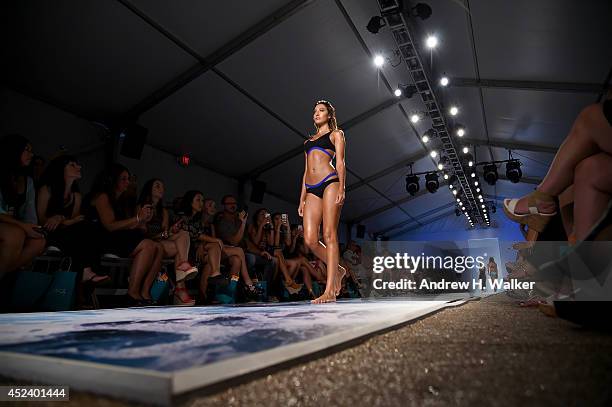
522, 207
327, 296
338, 282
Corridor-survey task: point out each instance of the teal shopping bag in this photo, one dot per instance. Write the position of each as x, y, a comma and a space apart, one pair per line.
61, 292
160, 288
29, 289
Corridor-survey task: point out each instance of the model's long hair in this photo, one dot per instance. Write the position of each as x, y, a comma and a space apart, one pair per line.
53, 178
332, 121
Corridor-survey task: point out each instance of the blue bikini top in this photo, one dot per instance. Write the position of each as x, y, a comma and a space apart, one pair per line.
323, 143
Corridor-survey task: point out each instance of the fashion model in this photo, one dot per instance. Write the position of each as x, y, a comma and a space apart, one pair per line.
322, 195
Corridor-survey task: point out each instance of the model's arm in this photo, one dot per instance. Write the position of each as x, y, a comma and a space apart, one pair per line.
339, 143
303, 190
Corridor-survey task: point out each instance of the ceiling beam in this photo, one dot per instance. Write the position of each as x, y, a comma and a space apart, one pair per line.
510, 145
568, 87
402, 164
413, 227
206, 63
385, 208
286, 156
420, 216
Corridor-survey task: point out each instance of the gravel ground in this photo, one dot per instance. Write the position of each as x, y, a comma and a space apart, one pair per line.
488, 352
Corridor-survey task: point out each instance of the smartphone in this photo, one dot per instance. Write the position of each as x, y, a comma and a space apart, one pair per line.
284, 218
301, 228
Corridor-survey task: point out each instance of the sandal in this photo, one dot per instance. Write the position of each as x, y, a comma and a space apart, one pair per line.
535, 219
178, 301
185, 271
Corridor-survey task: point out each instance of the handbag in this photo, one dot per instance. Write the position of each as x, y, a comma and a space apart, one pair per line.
60, 294
160, 287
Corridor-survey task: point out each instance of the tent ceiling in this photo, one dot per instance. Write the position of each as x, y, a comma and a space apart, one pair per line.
100, 59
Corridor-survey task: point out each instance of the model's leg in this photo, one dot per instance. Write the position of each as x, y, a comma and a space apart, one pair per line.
331, 216
593, 192
590, 134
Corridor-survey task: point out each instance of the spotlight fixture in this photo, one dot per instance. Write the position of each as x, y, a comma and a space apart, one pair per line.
414, 118
454, 192
477, 189
433, 154
479, 196
425, 138
454, 111
440, 166
397, 92
460, 130
431, 41
407, 90
459, 201
412, 184
470, 163
446, 175
490, 173
513, 171
375, 24
444, 81
431, 182
379, 61
428, 135
465, 150
473, 174
475, 183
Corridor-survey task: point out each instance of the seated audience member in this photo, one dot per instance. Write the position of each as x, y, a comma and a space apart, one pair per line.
38, 168
59, 211
174, 241
584, 160
263, 234
229, 226
123, 231
21, 239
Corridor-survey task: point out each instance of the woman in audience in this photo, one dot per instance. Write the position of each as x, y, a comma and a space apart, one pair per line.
584, 159
174, 241
123, 231
21, 239
263, 234
59, 211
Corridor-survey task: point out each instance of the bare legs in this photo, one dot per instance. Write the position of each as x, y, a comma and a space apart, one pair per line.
593, 191
315, 211
16, 249
590, 134
212, 266
177, 247
238, 262
147, 260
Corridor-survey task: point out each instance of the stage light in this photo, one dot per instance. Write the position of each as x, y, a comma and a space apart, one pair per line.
425, 138
490, 173
433, 154
465, 150
454, 111
470, 163
445, 175
481, 200
397, 92
415, 118
379, 61
412, 184
454, 192
444, 81
475, 183
459, 201
513, 171
431, 182
431, 42
479, 196
428, 135
477, 189
440, 166
473, 174
407, 90
450, 186
375, 24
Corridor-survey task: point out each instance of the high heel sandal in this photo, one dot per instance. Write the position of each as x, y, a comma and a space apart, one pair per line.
535, 220
178, 301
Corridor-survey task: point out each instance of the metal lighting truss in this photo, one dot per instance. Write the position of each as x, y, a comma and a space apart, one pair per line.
399, 26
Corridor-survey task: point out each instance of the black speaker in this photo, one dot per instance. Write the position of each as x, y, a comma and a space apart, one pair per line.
134, 139
258, 191
360, 231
